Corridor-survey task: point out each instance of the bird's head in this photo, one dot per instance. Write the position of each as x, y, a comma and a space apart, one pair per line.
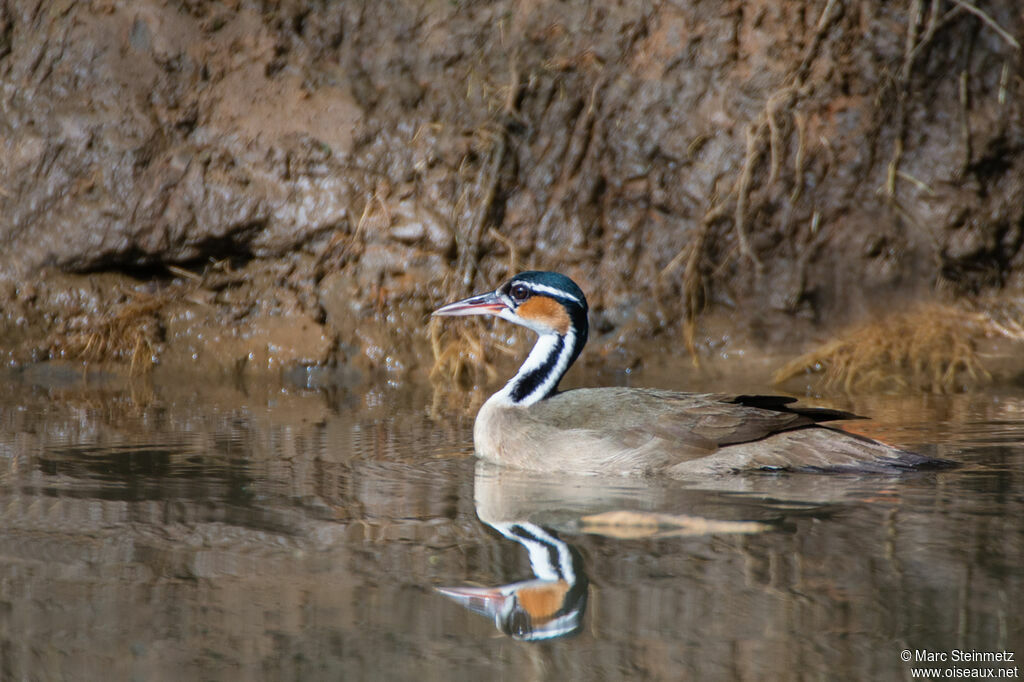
546, 302
532, 610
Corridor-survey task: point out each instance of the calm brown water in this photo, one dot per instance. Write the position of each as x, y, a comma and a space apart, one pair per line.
170, 533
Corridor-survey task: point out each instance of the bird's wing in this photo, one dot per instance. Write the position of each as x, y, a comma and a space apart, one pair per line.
704, 420
817, 449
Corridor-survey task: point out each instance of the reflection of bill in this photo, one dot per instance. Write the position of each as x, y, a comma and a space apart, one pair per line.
548, 606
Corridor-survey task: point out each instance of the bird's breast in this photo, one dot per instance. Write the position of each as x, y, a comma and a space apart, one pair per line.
495, 424
536, 438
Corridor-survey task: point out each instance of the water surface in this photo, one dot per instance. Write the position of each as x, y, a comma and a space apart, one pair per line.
240, 532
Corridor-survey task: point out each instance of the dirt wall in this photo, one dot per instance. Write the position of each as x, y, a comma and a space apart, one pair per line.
344, 167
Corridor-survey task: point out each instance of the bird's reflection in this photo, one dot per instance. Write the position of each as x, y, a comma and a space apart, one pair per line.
528, 508
549, 605
534, 510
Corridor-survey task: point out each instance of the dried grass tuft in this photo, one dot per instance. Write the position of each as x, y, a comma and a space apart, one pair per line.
931, 348
460, 356
128, 333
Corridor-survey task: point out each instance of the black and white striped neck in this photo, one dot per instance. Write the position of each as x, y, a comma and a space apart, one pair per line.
544, 367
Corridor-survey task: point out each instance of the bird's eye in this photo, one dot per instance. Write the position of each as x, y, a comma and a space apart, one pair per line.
519, 292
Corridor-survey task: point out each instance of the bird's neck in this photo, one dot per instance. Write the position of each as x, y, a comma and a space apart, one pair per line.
551, 558
539, 375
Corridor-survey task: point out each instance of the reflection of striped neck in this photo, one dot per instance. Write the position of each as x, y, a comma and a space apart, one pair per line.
550, 557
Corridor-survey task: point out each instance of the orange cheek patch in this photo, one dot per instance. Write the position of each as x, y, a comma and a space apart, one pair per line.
543, 601
546, 311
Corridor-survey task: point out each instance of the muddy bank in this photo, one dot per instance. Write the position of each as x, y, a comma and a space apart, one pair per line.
239, 187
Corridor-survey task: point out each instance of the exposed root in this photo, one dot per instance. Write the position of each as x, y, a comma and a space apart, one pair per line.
992, 23
513, 252
825, 21
965, 123
743, 184
693, 254
766, 137
768, 120
486, 187
487, 180
931, 348
915, 44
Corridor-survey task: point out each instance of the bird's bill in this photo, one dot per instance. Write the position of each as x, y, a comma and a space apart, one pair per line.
483, 304
486, 601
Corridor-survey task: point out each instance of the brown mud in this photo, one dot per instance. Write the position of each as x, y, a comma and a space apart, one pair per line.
233, 187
